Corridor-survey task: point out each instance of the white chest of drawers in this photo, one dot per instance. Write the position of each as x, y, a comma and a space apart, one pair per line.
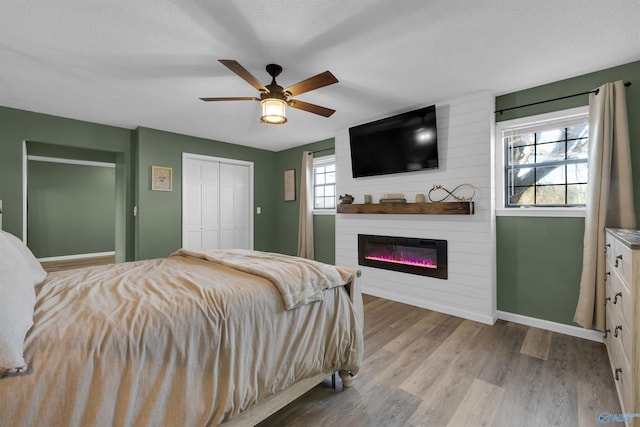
623, 316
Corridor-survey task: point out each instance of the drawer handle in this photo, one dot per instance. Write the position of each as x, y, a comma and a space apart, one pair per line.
608, 245
615, 332
618, 372
615, 300
606, 333
619, 257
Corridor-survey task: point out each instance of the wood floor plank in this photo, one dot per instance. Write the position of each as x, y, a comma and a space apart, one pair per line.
596, 388
439, 369
416, 332
392, 315
432, 367
403, 364
501, 366
557, 406
479, 406
386, 334
536, 343
441, 398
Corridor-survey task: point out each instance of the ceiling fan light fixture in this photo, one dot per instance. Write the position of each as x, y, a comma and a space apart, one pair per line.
273, 111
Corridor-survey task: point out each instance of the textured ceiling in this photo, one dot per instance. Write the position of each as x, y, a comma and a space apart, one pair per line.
132, 63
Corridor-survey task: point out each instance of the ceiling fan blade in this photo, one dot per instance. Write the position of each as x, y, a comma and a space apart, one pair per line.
243, 73
242, 98
315, 82
312, 108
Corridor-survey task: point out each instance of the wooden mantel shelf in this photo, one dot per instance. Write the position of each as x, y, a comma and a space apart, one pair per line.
430, 208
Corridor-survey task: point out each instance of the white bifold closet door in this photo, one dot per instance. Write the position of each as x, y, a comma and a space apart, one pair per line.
216, 204
234, 206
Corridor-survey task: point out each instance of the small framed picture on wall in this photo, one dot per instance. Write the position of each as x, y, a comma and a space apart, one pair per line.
290, 185
161, 178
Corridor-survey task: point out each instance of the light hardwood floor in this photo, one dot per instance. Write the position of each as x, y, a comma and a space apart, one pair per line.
423, 368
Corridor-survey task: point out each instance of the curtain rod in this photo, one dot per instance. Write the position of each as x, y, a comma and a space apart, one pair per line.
627, 84
320, 151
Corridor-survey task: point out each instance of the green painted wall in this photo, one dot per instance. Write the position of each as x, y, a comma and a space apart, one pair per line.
18, 126
324, 226
71, 209
159, 220
156, 231
539, 260
539, 266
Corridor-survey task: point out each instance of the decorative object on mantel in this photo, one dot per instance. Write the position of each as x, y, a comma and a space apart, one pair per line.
347, 199
393, 198
453, 193
420, 198
367, 199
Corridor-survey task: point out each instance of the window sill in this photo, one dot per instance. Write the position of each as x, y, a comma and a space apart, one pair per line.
324, 212
543, 212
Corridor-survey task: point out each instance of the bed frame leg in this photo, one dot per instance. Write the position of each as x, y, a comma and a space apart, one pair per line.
347, 378
333, 381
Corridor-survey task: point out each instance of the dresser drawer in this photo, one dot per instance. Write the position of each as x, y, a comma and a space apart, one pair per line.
609, 248
620, 331
620, 297
623, 379
622, 261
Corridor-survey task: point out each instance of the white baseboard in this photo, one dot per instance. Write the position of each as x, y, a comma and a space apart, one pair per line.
575, 331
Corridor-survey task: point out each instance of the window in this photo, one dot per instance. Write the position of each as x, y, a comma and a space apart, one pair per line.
544, 160
324, 184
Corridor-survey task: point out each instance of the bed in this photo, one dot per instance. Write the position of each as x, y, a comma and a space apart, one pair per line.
194, 339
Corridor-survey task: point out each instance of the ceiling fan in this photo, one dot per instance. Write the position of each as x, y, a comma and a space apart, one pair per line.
274, 98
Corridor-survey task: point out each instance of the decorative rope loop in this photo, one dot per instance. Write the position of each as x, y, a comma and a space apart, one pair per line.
452, 193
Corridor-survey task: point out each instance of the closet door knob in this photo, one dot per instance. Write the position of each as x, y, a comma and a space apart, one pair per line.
618, 372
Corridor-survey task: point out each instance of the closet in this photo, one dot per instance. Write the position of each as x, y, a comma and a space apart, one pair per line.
217, 203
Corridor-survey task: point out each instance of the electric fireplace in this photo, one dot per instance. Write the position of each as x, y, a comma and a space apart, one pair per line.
426, 257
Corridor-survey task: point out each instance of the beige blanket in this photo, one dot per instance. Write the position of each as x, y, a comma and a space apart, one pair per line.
178, 341
299, 280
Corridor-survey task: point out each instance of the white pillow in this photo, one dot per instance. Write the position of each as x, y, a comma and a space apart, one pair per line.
37, 272
17, 298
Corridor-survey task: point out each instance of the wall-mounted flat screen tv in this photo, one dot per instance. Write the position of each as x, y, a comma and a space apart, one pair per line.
402, 143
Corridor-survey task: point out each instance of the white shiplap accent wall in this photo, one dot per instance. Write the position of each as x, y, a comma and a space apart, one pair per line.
465, 133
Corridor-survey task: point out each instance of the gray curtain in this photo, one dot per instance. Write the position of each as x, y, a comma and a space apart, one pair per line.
610, 195
305, 224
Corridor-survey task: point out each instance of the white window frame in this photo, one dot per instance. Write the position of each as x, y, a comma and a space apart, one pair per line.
322, 161
531, 211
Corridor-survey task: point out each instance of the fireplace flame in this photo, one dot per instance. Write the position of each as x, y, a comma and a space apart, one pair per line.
426, 263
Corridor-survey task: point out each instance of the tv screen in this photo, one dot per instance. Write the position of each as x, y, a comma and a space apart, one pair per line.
402, 143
